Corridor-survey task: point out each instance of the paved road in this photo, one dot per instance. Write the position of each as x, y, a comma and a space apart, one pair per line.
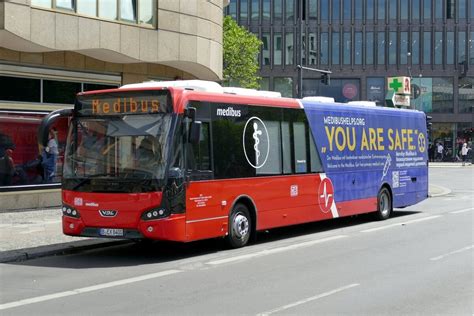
418, 262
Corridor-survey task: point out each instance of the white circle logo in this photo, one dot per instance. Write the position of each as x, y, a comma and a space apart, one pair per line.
256, 140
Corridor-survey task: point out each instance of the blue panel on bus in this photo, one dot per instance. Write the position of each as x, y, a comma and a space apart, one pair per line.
364, 147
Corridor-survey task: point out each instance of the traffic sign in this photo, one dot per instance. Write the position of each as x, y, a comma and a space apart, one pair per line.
397, 100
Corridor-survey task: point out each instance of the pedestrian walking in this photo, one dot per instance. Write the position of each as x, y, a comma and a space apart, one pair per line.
464, 152
440, 150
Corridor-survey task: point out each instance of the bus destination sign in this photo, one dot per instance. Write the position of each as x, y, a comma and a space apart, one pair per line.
124, 103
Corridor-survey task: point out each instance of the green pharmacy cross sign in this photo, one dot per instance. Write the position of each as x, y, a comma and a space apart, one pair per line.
395, 85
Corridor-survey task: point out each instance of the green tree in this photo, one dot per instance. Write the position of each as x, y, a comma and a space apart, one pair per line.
241, 49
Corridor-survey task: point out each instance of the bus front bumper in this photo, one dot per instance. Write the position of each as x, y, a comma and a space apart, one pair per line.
172, 228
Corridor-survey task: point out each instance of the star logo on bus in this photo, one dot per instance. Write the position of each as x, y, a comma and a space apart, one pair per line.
325, 195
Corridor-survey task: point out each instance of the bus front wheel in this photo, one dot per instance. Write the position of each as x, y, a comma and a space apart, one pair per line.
384, 204
240, 226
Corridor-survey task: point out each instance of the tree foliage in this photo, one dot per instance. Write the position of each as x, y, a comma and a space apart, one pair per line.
241, 49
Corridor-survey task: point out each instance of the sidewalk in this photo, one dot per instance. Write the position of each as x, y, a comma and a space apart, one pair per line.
449, 164
28, 234
33, 233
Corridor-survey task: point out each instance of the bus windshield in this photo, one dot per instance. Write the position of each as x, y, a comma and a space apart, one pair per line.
104, 154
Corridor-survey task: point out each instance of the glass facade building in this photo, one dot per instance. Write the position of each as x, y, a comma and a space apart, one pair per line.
365, 41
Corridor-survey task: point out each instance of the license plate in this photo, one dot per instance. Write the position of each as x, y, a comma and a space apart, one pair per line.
112, 232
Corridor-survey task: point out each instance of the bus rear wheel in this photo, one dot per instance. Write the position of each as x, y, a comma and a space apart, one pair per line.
240, 226
384, 204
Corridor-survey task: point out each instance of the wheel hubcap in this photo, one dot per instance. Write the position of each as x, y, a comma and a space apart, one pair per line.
384, 205
240, 226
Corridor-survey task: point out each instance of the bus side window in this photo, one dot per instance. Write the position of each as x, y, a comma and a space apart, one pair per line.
200, 167
313, 155
299, 141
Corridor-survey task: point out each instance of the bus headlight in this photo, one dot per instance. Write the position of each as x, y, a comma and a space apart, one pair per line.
155, 213
70, 211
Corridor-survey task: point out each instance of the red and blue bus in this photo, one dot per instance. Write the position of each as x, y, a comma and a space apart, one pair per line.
190, 160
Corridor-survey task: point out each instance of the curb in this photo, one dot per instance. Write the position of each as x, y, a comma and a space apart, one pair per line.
444, 191
19, 255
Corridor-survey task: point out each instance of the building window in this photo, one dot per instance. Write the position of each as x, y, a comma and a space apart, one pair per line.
266, 49
42, 3
128, 10
443, 100
145, 12
277, 10
324, 10
313, 49
313, 10
347, 10
369, 48
438, 9
404, 6
462, 9
426, 48
471, 48
244, 9
284, 86
20, 89
376, 90
461, 47
290, 11
450, 48
135, 11
392, 48
289, 48
466, 94
51, 91
65, 4
277, 54
415, 48
381, 48
393, 9
347, 49
108, 9
415, 10
336, 7
370, 9
427, 10
342, 90
60, 91
232, 9
472, 11
404, 48
324, 48
255, 11
358, 48
358, 11
438, 48
381, 10
266, 10
450, 9
265, 83
87, 7
335, 48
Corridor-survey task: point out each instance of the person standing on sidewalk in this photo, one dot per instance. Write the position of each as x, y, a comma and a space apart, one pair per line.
464, 151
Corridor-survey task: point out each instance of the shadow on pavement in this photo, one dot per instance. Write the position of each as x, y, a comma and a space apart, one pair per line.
127, 253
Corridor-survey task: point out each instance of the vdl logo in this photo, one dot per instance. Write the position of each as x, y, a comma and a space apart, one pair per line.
256, 142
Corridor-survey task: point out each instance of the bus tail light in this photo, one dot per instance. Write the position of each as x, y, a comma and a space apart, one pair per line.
70, 211
155, 213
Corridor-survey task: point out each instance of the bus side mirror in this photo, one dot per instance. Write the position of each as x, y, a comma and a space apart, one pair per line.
47, 122
195, 132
